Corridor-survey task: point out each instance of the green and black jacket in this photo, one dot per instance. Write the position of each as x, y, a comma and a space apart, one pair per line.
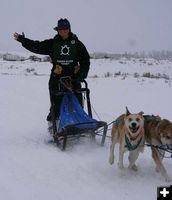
64, 53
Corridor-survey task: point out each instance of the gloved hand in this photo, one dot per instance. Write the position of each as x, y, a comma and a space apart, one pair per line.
58, 70
18, 36
76, 69
79, 77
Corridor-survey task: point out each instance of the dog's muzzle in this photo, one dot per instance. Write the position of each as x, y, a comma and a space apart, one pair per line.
134, 128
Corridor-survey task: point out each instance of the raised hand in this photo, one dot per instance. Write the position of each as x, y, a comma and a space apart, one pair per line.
17, 36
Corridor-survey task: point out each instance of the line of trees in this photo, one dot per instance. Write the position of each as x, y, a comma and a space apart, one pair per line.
158, 55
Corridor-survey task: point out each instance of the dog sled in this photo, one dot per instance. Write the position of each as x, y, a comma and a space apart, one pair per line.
74, 121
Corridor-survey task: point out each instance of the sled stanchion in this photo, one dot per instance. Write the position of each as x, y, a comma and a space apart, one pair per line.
64, 143
88, 98
65, 134
104, 134
52, 113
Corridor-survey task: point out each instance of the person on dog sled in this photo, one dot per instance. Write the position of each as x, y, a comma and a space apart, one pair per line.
69, 57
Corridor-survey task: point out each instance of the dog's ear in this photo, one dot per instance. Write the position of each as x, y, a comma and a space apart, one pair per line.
127, 111
141, 113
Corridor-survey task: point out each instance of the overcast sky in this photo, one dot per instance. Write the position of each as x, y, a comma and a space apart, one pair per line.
102, 25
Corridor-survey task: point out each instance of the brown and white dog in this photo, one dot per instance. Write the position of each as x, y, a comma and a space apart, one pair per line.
158, 132
128, 131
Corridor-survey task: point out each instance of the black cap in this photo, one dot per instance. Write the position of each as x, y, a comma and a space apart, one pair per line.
62, 24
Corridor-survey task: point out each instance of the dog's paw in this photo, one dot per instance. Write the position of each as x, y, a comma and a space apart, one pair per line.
133, 167
157, 170
121, 166
111, 160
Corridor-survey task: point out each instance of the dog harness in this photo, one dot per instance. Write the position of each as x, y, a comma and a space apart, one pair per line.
132, 142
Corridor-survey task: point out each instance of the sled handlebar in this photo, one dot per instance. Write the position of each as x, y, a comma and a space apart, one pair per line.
65, 86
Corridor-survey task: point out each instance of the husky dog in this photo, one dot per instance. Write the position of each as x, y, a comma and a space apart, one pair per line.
128, 131
158, 132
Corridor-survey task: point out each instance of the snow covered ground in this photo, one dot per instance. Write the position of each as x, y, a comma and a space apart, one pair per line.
32, 168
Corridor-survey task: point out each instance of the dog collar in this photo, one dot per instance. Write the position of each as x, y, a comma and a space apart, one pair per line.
132, 138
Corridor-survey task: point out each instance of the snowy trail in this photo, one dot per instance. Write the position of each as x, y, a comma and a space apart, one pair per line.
32, 168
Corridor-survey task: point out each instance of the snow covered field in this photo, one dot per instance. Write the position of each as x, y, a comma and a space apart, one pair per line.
34, 169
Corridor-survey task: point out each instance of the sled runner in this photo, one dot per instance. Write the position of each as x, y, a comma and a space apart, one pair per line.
74, 121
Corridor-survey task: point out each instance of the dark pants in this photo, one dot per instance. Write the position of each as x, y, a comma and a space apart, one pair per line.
56, 99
